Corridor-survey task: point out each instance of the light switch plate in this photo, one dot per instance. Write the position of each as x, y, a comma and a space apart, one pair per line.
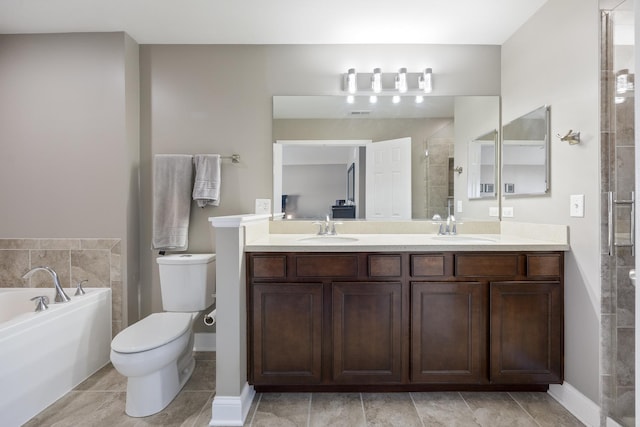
507, 211
459, 206
577, 205
263, 206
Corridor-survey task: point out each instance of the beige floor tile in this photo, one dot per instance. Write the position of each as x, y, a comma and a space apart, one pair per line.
545, 410
282, 410
82, 408
497, 410
203, 377
443, 409
336, 410
390, 410
106, 379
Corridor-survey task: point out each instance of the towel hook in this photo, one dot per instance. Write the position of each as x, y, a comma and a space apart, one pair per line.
571, 137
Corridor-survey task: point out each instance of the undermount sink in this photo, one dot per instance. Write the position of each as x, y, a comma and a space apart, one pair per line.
463, 239
328, 239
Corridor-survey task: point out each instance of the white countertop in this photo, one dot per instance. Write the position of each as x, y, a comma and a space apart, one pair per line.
399, 243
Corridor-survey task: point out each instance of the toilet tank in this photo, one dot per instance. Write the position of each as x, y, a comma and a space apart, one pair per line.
187, 281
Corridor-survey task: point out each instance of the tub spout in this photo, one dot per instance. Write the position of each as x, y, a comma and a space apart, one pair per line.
61, 296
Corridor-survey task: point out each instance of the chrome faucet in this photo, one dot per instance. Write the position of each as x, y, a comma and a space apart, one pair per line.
327, 228
448, 227
61, 296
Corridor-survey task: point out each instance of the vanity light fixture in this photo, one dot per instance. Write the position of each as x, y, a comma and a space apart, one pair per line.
401, 80
376, 80
378, 83
425, 81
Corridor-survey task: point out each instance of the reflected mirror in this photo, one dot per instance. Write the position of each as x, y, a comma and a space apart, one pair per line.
525, 154
481, 178
314, 181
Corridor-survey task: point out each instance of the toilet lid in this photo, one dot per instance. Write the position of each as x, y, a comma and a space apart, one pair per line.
153, 331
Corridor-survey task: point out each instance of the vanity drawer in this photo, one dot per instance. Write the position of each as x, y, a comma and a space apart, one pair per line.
385, 265
427, 265
269, 266
544, 265
486, 265
326, 265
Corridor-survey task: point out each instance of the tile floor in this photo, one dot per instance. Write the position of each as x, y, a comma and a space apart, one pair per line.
99, 401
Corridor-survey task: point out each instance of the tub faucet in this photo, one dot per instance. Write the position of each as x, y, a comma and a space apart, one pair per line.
61, 296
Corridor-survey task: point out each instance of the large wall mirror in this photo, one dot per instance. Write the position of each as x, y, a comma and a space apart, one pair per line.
525, 154
321, 142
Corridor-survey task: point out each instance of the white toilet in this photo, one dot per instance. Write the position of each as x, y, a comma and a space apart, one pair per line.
156, 353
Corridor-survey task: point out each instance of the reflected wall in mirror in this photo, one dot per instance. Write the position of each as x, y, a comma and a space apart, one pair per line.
525, 154
481, 178
435, 127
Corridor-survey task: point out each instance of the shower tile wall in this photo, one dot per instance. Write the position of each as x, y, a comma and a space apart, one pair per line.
439, 176
96, 260
617, 171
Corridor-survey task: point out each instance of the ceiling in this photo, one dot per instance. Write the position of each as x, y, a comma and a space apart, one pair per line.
276, 21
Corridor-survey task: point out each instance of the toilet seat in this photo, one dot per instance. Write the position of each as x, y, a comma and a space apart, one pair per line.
153, 331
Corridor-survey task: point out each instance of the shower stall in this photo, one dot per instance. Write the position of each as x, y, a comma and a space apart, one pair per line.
617, 181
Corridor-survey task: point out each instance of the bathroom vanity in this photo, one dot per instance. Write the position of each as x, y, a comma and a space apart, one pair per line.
404, 312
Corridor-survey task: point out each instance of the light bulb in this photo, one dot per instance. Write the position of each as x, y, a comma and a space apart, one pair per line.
376, 80
425, 81
352, 85
395, 99
350, 99
401, 80
419, 99
373, 99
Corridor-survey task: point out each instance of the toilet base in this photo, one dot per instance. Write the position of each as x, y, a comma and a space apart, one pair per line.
152, 393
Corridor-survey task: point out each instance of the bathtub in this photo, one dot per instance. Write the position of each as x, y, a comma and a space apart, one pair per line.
43, 355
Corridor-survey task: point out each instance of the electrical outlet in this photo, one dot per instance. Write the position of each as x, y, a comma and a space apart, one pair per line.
507, 211
459, 206
263, 206
577, 205
494, 211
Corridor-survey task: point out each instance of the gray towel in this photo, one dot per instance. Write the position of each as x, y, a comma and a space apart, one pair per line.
172, 174
206, 188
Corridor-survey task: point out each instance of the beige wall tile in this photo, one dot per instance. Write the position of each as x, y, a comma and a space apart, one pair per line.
13, 265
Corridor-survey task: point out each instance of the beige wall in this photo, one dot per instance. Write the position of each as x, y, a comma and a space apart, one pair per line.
217, 99
536, 70
69, 150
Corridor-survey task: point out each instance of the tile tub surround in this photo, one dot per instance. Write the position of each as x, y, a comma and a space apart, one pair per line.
96, 260
99, 401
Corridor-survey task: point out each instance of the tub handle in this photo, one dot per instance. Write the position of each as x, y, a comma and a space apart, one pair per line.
79, 290
41, 302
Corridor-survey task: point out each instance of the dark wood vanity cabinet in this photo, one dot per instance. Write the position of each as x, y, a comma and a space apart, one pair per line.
367, 332
448, 332
287, 333
405, 321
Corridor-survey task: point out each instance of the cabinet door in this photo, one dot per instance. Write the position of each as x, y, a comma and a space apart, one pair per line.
367, 341
526, 333
448, 333
287, 333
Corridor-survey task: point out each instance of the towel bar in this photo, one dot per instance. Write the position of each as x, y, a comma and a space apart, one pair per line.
235, 158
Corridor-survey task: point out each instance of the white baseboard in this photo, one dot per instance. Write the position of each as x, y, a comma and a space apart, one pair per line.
577, 403
232, 410
204, 341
